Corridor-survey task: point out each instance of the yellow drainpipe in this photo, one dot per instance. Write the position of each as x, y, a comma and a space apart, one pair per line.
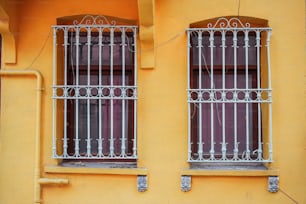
37, 180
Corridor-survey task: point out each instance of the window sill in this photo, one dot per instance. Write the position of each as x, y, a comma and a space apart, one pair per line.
218, 171
53, 169
229, 169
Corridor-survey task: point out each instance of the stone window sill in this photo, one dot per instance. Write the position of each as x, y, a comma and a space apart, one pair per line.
106, 170
230, 172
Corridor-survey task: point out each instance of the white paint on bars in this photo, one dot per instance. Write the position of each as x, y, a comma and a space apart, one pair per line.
78, 91
258, 95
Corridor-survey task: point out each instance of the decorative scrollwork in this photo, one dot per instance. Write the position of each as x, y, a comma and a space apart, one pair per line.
273, 184
97, 92
228, 23
94, 20
230, 95
186, 183
142, 183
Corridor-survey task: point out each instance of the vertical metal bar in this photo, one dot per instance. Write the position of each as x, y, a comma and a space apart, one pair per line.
212, 88
100, 146
223, 150
258, 91
188, 88
54, 100
200, 142
236, 149
269, 94
65, 144
111, 148
246, 40
88, 91
77, 93
135, 100
123, 132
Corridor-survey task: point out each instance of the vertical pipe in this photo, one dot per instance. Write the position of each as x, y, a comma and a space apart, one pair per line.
258, 91
37, 153
37, 187
100, 146
212, 88
188, 91
123, 131
200, 142
111, 92
236, 150
223, 150
38, 138
88, 91
246, 40
54, 100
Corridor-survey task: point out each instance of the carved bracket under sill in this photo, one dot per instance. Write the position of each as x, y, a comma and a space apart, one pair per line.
273, 186
142, 183
185, 183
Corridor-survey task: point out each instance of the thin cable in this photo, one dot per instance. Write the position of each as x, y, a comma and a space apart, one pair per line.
288, 196
41, 50
164, 43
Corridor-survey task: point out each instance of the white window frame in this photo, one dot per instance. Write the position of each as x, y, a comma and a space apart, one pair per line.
61, 89
263, 94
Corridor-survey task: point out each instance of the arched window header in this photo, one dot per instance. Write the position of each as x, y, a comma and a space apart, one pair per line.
231, 22
94, 19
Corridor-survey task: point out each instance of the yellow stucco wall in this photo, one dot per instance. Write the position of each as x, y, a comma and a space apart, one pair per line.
162, 108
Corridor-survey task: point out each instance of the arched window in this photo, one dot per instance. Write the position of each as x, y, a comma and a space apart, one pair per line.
229, 91
94, 89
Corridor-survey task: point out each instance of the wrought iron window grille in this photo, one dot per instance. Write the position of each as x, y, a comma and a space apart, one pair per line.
94, 83
229, 93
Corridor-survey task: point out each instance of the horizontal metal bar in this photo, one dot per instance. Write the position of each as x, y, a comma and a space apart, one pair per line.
92, 86
229, 95
95, 97
228, 101
229, 161
228, 29
94, 92
237, 89
95, 157
92, 26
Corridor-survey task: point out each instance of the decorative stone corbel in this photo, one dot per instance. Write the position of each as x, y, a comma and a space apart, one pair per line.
186, 183
7, 30
273, 184
142, 183
146, 33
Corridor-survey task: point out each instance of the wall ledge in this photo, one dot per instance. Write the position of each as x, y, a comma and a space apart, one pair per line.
53, 169
230, 172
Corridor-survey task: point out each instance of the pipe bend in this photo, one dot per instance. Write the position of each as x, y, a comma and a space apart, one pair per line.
37, 159
25, 72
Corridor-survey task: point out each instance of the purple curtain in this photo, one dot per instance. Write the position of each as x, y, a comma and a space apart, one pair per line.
206, 77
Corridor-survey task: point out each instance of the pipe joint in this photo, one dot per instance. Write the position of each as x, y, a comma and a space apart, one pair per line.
44, 181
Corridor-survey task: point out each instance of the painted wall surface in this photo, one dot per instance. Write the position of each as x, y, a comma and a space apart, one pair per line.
162, 107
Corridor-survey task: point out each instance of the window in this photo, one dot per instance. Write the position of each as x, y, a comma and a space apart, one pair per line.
94, 91
229, 92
